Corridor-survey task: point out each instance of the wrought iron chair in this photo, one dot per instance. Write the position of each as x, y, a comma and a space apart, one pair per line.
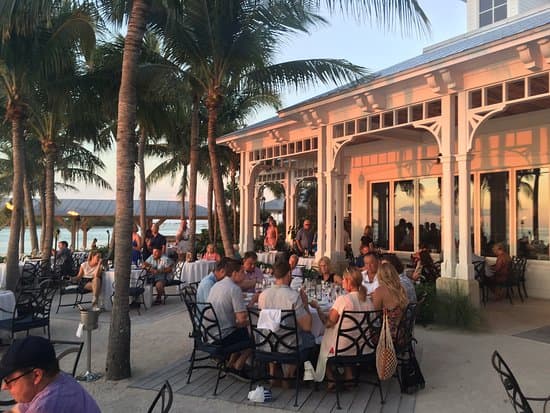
136, 290
358, 333
209, 341
281, 346
519, 401
519, 264
479, 273
66, 287
165, 396
32, 310
175, 281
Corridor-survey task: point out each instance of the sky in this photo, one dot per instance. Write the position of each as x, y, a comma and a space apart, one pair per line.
361, 43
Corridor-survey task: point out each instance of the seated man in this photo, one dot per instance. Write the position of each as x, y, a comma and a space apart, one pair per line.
252, 274
159, 266
225, 266
281, 297
91, 271
227, 300
64, 263
30, 371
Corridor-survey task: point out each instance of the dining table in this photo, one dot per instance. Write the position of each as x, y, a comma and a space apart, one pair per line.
267, 257
3, 273
195, 271
306, 262
107, 287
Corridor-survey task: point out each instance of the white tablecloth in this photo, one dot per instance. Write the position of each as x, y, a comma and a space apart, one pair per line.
306, 262
7, 303
317, 327
267, 257
3, 273
107, 288
197, 270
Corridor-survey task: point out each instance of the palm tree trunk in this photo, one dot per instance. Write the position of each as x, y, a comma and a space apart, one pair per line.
118, 350
212, 104
22, 235
193, 171
183, 187
15, 115
142, 182
209, 202
50, 150
42, 211
31, 219
233, 173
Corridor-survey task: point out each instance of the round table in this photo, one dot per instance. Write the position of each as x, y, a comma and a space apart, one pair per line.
3, 272
107, 288
267, 257
197, 270
7, 303
306, 262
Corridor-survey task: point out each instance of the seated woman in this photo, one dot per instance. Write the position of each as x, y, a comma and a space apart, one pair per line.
326, 274
355, 300
390, 295
425, 269
211, 254
501, 268
91, 271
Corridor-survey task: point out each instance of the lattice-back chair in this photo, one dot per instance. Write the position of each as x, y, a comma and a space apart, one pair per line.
404, 338
175, 281
28, 278
66, 287
519, 401
209, 340
281, 346
32, 310
64, 348
358, 334
479, 274
519, 264
165, 396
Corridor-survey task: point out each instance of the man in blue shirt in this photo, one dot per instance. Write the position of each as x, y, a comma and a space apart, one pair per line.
207, 282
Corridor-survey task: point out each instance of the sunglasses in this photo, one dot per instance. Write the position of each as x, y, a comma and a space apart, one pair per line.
9, 382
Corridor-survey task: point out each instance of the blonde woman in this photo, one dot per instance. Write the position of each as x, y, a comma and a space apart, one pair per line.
326, 274
91, 271
355, 300
390, 295
211, 254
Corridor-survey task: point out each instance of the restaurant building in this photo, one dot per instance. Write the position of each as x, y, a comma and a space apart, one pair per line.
450, 149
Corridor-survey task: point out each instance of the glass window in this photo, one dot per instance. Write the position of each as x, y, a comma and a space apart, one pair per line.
404, 215
491, 11
533, 226
430, 213
380, 214
494, 195
457, 222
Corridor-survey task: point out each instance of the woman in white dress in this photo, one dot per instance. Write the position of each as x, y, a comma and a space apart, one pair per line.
91, 271
355, 300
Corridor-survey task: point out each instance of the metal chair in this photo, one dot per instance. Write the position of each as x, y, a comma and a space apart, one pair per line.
176, 281
519, 264
519, 401
66, 287
479, 274
208, 340
165, 396
281, 346
32, 310
358, 333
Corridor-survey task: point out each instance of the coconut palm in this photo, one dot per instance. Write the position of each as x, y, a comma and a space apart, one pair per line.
35, 38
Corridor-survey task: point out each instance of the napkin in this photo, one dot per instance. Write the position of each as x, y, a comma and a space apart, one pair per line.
269, 319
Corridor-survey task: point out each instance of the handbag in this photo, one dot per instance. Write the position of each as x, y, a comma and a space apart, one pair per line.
386, 360
411, 376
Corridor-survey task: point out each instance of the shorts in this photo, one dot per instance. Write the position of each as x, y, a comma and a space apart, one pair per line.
237, 336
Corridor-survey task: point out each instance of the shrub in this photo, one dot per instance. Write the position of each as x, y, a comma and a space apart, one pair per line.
454, 308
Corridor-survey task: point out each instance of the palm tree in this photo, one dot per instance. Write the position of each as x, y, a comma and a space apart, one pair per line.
35, 38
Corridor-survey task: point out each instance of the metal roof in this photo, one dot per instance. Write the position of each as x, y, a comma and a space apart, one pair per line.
431, 54
106, 208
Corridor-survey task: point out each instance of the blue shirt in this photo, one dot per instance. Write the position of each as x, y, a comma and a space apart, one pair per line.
204, 288
63, 395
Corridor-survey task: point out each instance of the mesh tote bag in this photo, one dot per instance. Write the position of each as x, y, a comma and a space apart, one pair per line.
386, 360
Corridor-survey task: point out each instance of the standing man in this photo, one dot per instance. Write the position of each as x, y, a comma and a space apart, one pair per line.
157, 239
64, 263
30, 371
159, 266
304, 239
183, 246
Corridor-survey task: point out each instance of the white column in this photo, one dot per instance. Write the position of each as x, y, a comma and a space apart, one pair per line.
339, 197
249, 234
321, 193
330, 207
257, 220
243, 207
465, 268
448, 132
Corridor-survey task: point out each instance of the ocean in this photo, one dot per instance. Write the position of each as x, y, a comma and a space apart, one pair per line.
168, 228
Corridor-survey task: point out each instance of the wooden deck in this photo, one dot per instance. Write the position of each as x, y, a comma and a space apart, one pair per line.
365, 398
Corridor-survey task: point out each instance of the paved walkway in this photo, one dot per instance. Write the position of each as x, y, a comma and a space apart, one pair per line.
456, 365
